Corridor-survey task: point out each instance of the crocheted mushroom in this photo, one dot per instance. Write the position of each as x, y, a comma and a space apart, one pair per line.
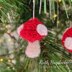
33, 31
67, 39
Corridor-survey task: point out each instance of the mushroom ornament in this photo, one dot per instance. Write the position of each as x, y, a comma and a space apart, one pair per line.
67, 39
33, 31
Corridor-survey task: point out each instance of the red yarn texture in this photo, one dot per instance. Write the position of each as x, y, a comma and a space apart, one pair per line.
67, 33
29, 32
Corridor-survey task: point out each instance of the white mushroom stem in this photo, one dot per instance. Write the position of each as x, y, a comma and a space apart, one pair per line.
33, 49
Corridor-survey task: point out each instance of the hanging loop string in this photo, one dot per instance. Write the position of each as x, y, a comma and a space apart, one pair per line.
33, 9
40, 6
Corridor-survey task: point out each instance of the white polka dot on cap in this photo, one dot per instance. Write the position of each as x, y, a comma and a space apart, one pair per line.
19, 29
42, 30
68, 43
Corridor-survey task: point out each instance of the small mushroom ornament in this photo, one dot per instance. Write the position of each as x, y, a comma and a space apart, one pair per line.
67, 39
33, 31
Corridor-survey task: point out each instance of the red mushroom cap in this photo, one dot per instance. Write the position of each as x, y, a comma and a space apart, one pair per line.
29, 32
67, 34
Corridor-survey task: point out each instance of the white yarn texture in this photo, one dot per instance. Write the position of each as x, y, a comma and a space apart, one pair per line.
19, 29
33, 49
42, 30
68, 43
